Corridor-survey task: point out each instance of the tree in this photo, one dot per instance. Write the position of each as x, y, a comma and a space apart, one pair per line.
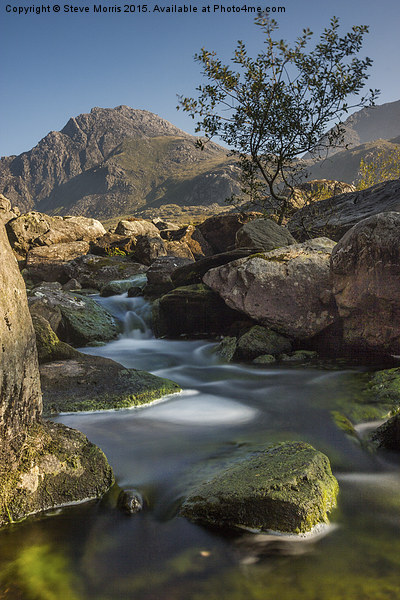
379, 167
280, 105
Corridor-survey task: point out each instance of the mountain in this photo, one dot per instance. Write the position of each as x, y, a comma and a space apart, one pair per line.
117, 161
344, 165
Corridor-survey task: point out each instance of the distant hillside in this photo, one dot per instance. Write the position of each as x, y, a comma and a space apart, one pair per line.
344, 165
117, 161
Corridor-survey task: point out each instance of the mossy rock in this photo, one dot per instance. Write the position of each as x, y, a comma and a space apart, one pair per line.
226, 348
264, 359
288, 487
261, 340
48, 345
55, 466
387, 436
95, 383
88, 322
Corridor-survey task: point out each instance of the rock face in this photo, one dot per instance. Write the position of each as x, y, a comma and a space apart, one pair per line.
288, 488
21, 401
36, 229
264, 234
6, 211
366, 283
335, 216
287, 289
42, 465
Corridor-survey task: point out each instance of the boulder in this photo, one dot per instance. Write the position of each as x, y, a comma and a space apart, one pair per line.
96, 271
6, 211
220, 231
179, 249
264, 234
287, 290
161, 224
42, 465
112, 244
387, 436
136, 227
365, 268
191, 237
48, 345
36, 229
83, 320
130, 501
86, 383
159, 280
335, 216
193, 273
149, 248
47, 263
288, 488
192, 310
259, 340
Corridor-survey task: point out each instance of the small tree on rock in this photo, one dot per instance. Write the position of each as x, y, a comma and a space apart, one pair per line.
276, 107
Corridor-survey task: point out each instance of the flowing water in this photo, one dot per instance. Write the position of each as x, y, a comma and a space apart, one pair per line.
93, 551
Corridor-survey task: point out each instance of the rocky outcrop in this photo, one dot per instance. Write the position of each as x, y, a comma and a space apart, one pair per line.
116, 161
264, 234
220, 231
86, 383
366, 283
287, 289
36, 229
42, 465
335, 216
288, 488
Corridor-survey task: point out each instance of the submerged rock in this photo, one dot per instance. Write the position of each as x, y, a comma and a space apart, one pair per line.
130, 501
259, 340
87, 383
288, 488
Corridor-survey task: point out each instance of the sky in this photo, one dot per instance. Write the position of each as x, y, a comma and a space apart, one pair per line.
55, 65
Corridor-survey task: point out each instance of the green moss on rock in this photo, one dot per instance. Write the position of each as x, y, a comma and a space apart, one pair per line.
55, 466
95, 383
48, 345
87, 323
288, 488
261, 340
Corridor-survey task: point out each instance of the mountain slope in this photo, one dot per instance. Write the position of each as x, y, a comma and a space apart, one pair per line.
116, 161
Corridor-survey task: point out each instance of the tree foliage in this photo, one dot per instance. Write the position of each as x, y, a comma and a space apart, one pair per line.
377, 168
287, 101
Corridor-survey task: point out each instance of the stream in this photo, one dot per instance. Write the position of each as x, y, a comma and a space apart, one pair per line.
93, 551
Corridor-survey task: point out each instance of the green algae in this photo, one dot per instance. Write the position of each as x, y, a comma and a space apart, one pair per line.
288, 487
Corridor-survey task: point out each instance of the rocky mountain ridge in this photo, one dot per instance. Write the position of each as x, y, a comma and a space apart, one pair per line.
112, 161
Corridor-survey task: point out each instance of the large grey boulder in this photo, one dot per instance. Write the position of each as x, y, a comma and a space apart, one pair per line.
264, 234
334, 216
42, 465
135, 227
288, 488
366, 283
287, 289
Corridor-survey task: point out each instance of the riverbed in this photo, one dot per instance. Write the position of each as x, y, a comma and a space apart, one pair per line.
95, 552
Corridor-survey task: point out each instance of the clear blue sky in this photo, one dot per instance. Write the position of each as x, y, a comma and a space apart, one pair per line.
55, 66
